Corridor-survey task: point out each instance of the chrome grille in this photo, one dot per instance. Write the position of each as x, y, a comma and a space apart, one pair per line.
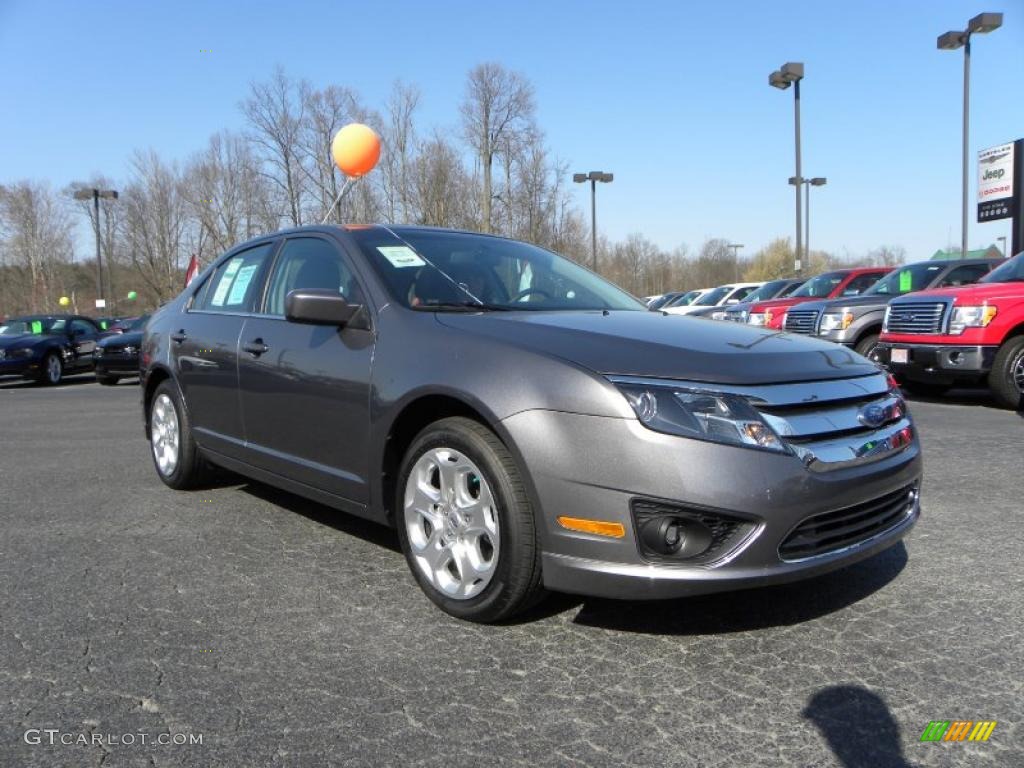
915, 317
801, 320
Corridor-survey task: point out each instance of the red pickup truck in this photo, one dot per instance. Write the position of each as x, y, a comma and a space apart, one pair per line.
934, 339
830, 285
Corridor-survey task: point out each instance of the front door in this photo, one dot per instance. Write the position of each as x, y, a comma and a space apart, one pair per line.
83, 335
305, 389
204, 348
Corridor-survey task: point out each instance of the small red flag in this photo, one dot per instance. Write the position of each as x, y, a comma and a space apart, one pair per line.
192, 271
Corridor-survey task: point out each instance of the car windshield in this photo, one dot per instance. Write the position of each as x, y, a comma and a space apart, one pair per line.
18, 326
711, 298
915, 277
443, 270
683, 300
821, 286
766, 291
1010, 272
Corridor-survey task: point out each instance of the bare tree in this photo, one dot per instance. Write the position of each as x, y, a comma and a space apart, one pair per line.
275, 112
441, 185
497, 106
399, 152
156, 223
35, 241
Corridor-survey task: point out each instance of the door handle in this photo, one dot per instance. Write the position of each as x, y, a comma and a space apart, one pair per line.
256, 347
179, 337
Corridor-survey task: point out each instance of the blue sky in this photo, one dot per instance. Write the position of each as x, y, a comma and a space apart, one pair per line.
670, 96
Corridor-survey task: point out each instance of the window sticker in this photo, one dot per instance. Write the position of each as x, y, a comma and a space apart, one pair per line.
37, 326
905, 284
401, 256
241, 284
225, 282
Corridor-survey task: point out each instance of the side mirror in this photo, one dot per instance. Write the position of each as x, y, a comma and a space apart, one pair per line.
318, 306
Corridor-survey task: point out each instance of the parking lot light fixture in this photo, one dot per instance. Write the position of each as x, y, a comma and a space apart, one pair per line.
981, 24
593, 177
791, 73
95, 195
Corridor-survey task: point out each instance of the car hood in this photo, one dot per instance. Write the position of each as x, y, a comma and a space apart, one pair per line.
969, 294
130, 339
873, 300
666, 346
23, 340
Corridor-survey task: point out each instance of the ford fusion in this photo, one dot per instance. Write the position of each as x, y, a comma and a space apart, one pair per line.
525, 425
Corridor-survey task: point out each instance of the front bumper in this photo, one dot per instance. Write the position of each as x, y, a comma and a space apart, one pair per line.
28, 367
117, 365
939, 363
594, 467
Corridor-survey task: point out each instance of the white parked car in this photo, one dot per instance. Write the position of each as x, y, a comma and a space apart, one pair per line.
732, 293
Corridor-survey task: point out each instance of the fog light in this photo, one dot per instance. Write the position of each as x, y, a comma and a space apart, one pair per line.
675, 537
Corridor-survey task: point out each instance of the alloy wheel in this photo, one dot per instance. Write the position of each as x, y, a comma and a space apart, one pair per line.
452, 523
53, 369
164, 434
1017, 372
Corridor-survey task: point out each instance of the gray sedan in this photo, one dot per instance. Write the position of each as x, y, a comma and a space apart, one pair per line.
525, 425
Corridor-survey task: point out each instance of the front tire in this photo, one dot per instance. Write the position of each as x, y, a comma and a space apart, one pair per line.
52, 371
868, 346
174, 451
465, 523
107, 381
1006, 379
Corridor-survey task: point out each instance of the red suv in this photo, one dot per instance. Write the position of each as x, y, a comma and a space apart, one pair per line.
830, 285
934, 339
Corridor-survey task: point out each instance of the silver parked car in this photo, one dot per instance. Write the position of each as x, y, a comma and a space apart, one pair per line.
524, 424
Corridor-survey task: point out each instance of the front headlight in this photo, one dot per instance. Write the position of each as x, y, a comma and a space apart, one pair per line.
755, 318
700, 414
835, 321
18, 354
970, 317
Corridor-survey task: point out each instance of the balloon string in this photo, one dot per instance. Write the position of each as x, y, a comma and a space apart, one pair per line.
344, 189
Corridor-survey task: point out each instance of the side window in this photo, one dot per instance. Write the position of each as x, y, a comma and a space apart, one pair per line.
82, 328
741, 294
860, 284
235, 285
964, 275
310, 262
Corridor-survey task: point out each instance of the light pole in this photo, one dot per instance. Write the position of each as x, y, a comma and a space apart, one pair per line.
817, 181
95, 195
1003, 241
791, 73
950, 41
593, 177
736, 257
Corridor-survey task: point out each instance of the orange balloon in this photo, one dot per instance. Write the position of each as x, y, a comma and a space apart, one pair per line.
356, 149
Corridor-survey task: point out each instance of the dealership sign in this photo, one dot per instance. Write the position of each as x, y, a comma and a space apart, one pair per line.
995, 182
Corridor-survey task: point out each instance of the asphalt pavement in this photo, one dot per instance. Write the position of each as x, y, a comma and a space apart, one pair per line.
280, 633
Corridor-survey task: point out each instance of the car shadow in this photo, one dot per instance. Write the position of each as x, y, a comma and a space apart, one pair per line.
68, 381
750, 609
374, 533
858, 727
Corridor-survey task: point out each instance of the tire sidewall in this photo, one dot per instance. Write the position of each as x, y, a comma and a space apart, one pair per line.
493, 599
45, 377
1001, 382
183, 476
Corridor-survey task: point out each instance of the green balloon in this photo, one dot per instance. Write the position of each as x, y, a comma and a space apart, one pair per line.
132, 295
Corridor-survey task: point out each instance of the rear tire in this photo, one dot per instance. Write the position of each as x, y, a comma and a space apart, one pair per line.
497, 521
1006, 379
107, 381
175, 454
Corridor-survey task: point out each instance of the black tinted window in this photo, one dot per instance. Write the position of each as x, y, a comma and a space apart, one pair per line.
310, 262
235, 285
965, 275
860, 284
82, 328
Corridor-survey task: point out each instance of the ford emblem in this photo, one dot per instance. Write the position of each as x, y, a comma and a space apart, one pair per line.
871, 416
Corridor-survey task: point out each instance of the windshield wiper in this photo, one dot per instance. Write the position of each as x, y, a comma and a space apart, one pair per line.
462, 306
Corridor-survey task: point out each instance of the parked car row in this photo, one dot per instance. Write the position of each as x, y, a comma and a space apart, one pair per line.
932, 323
46, 348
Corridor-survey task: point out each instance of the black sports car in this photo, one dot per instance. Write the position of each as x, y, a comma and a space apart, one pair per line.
117, 356
47, 347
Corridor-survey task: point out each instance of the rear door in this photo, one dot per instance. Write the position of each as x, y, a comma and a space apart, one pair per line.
305, 389
204, 347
